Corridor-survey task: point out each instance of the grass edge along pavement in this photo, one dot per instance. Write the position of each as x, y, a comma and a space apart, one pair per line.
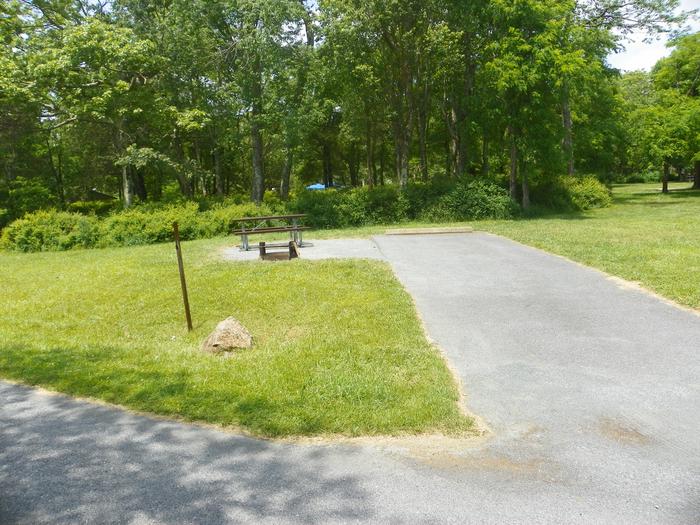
645, 237
339, 347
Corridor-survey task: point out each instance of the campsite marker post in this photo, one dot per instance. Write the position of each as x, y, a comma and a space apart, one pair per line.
178, 249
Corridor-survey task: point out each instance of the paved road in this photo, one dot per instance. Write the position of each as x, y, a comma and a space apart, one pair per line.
592, 392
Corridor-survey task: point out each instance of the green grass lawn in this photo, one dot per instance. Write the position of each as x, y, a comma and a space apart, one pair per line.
338, 346
339, 349
645, 236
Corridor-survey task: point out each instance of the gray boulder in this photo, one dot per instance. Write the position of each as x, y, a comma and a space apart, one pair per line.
228, 336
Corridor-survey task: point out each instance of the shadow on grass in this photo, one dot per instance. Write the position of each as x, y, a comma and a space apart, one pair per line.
67, 461
655, 204
536, 213
684, 193
656, 192
676, 196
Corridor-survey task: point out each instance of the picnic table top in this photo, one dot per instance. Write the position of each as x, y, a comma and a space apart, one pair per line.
271, 217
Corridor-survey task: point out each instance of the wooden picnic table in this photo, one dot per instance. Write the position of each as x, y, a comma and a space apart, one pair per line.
294, 229
271, 217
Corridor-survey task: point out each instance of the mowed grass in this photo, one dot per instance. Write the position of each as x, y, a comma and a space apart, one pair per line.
338, 346
645, 236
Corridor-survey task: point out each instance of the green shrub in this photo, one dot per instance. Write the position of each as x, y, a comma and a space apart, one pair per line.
472, 200
221, 220
53, 230
568, 193
588, 193
272, 200
352, 207
385, 205
322, 208
378, 205
140, 226
422, 195
439, 200
28, 195
100, 208
50, 231
5, 217
643, 177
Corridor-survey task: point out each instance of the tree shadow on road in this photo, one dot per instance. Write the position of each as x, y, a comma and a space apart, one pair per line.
67, 461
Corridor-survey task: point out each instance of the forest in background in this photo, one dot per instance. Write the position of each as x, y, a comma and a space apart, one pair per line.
159, 101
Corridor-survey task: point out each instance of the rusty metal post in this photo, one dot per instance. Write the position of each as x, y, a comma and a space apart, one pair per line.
183, 283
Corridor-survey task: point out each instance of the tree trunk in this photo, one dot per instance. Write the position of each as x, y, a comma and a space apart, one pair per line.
423, 146
382, 163
354, 165
199, 177
696, 175
286, 174
485, 165
403, 159
139, 185
401, 152
403, 121
126, 187
513, 164
258, 189
453, 144
423, 125
568, 142
664, 180
327, 165
185, 186
218, 179
448, 158
525, 186
371, 171
57, 172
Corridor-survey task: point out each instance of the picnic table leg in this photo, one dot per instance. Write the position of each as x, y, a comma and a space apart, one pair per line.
244, 239
295, 232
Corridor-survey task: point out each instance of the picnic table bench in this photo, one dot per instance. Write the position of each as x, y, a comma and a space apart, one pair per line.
292, 227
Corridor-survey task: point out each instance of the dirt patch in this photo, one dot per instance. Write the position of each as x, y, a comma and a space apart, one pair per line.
483, 463
622, 432
533, 433
465, 454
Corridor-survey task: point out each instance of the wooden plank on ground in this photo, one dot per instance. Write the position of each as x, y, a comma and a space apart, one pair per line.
429, 231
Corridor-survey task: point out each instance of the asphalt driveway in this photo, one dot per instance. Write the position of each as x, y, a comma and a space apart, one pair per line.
591, 391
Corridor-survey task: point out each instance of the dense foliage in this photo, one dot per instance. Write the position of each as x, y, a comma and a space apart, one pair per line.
662, 116
57, 230
441, 201
112, 103
573, 194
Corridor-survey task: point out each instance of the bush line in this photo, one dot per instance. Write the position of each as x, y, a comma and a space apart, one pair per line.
438, 201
